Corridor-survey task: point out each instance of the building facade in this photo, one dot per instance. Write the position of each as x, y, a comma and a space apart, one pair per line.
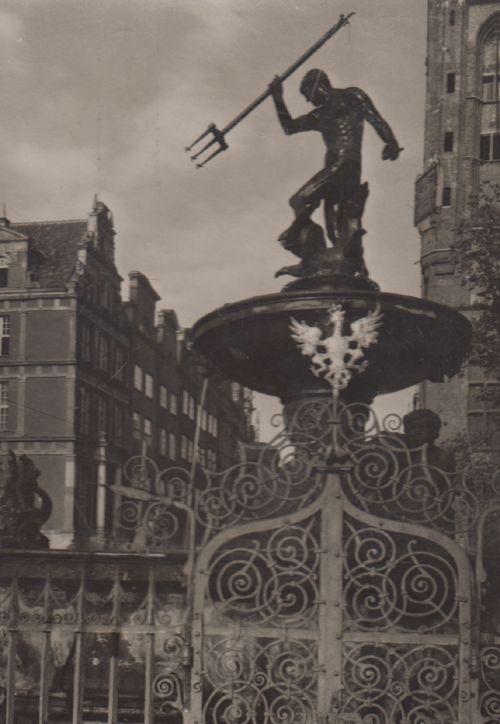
87, 379
461, 152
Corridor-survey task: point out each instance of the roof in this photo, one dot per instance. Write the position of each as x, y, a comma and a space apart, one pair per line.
58, 242
8, 234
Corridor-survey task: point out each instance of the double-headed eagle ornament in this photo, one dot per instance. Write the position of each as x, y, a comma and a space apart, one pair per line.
337, 357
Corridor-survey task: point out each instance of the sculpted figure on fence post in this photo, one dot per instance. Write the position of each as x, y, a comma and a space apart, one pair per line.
24, 506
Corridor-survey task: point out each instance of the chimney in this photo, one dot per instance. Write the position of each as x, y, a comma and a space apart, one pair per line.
4, 221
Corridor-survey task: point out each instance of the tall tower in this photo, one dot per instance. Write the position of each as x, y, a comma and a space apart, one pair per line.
461, 151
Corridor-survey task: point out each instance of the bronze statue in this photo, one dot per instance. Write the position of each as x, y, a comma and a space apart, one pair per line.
339, 115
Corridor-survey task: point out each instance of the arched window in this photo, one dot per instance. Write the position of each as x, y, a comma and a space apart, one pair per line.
490, 66
489, 89
4, 271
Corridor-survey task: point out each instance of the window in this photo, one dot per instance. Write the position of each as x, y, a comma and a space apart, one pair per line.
488, 87
163, 442
173, 403
138, 377
484, 146
4, 272
446, 196
450, 83
85, 341
4, 335
190, 451
496, 146
4, 406
235, 391
97, 348
103, 351
448, 141
202, 417
484, 428
102, 291
101, 343
185, 402
84, 410
118, 423
214, 427
101, 413
489, 147
184, 447
452, 17
120, 363
191, 407
163, 396
148, 385
172, 446
137, 424
148, 429
490, 61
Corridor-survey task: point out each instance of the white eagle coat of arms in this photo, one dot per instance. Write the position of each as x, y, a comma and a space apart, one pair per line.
338, 356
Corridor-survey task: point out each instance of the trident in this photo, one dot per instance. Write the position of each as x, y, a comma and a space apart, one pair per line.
219, 136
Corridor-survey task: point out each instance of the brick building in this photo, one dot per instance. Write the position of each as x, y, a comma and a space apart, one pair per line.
87, 379
461, 151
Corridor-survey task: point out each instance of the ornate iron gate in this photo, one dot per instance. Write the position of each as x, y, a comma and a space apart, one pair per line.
329, 613
324, 585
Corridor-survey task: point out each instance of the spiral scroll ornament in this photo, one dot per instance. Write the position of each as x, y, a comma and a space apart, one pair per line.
250, 681
393, 480
272, 579
386, 684
490, 684
167, 692
393, 582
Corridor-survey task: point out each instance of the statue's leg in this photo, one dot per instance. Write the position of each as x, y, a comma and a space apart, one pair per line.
352, 207
330, 213
310, 195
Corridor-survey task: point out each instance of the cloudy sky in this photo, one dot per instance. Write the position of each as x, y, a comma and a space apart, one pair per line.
103, 95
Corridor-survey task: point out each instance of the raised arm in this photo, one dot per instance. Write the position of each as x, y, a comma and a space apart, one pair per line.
369, 112
289, 125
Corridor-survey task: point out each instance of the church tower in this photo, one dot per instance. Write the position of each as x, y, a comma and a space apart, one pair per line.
461, 151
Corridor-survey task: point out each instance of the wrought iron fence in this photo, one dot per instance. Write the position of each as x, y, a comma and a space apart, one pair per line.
328, 577
91, 638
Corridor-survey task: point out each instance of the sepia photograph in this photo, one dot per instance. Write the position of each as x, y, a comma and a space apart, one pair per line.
250, 362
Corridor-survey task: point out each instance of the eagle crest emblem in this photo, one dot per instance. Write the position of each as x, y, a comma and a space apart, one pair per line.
337, 357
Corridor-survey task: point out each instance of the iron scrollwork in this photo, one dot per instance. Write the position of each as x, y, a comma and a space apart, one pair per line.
386, 684
396, 583
257, 680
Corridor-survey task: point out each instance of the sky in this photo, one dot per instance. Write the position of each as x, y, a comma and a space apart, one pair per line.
103, 96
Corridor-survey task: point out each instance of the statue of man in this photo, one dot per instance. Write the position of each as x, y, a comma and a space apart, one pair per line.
339, 116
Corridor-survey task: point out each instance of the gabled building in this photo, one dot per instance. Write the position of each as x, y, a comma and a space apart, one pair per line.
88, 380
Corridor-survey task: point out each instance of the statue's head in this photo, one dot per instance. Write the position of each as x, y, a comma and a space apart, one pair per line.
421, 426
315, 86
